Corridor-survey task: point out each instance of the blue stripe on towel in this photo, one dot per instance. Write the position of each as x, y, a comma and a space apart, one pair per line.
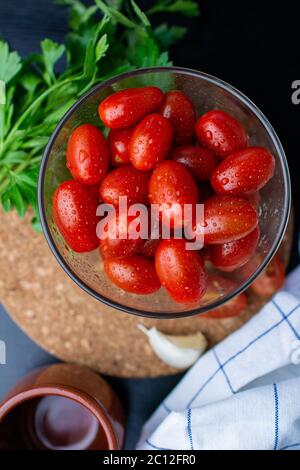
224, 373
286, 319
189, 427
290, 446
276, 417
155, 447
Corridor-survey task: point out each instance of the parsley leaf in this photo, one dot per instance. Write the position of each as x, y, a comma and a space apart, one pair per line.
186, 7
168, 35
10, 63
51, 53
101, 47
2, 92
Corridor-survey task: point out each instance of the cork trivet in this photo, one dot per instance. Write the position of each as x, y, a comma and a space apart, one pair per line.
73, 326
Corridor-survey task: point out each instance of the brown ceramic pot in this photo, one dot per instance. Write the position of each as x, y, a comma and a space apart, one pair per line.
62, 406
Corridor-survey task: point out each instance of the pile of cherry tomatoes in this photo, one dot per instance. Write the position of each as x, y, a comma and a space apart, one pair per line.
158, 152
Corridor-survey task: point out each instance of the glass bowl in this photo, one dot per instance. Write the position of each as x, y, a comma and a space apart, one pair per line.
207, 93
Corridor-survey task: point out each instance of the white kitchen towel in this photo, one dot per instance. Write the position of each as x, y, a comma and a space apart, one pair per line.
242, 394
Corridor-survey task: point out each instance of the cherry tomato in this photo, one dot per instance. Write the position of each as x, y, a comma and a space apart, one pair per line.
243, 172
126, 107
149, 248
178, 108
220, 286
271, 279
199, 161
171, 186
150, 142
118, 242
180, 271
227, 218
135, 274
232, 308
125, 181
253, 264
74, 211
118, 141
87, 155
221, 133
233, 255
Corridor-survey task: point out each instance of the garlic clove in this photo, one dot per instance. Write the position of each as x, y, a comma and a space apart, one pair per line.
176, 351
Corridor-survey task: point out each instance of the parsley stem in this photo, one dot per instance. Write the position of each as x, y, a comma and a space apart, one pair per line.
31, 108
4, 185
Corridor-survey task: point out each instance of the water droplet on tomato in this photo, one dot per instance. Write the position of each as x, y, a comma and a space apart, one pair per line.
209, 135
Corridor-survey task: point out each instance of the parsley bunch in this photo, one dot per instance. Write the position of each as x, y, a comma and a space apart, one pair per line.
105, 39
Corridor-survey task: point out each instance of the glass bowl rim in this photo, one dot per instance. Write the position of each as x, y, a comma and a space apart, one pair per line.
242, 98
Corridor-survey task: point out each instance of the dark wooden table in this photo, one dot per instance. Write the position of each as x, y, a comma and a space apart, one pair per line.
251, 44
